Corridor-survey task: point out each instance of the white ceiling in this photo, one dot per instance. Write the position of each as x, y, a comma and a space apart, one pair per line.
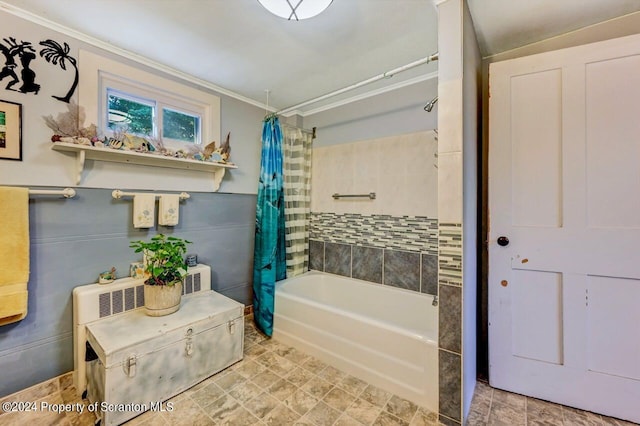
503, 25
239, 46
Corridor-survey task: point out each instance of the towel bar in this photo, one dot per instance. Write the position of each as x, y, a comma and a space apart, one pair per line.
371, 196
117, 194
66, 193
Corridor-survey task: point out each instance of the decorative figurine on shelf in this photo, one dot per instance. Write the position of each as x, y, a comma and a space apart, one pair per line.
208, 150
114, 143
220, 154
107, 277
135, 143
225, 149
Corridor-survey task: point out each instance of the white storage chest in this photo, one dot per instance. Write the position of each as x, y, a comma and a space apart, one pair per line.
136, 361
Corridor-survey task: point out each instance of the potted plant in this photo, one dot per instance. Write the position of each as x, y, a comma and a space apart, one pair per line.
165, 268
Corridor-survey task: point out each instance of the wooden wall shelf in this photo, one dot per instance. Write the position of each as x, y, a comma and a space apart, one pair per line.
85, 152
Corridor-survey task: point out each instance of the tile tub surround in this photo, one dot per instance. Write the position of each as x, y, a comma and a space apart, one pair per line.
337, 259
402, 269
396, 250
450, 253
407, 233
450, 321
382, 165
366, 263
311, 393
397, 268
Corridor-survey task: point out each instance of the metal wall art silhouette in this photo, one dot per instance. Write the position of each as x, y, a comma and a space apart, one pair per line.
54, 53
19, 55
25, 53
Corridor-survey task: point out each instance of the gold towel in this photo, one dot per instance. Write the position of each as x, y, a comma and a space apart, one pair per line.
14, 253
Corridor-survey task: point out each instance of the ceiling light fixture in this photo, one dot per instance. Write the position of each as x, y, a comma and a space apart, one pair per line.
295, 9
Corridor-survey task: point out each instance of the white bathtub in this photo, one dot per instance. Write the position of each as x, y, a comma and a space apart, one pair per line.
380, 334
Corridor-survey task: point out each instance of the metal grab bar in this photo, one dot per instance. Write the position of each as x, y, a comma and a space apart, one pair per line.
371, 196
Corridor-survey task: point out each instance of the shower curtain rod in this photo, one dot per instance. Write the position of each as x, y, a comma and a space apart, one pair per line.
296, 127
311, 131
388, 74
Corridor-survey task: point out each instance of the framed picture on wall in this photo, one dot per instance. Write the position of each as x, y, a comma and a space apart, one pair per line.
10, 131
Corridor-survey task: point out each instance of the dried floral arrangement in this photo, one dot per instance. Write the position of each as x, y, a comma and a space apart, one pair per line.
68, 127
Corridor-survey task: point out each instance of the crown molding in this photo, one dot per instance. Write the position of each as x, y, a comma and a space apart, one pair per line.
36, 19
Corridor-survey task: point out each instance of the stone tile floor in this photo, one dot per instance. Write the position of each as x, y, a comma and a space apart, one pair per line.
278, 385
496, 407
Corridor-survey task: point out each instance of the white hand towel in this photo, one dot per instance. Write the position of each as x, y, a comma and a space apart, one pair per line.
169, 210
144, 207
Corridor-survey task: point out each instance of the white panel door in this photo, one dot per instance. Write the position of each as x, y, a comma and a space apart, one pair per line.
564, 191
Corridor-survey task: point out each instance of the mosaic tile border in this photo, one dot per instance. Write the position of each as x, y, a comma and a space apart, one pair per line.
409, 233
450, 254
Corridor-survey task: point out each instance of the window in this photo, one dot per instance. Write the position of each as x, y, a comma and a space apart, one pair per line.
127, 113
180, 126
132, 114
131, 107
127, 99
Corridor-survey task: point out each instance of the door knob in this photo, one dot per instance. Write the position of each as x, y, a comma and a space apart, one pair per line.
503, 241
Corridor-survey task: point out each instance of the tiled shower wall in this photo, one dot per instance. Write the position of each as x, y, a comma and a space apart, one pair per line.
397, 251
450, 323
450, 250
402, 170
392, 239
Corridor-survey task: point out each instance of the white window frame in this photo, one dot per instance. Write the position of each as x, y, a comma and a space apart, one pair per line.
97, 73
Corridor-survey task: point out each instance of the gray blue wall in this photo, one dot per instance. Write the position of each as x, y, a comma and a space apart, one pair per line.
74, 240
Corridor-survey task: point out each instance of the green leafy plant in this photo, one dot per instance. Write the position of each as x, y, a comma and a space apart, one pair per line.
164, 256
